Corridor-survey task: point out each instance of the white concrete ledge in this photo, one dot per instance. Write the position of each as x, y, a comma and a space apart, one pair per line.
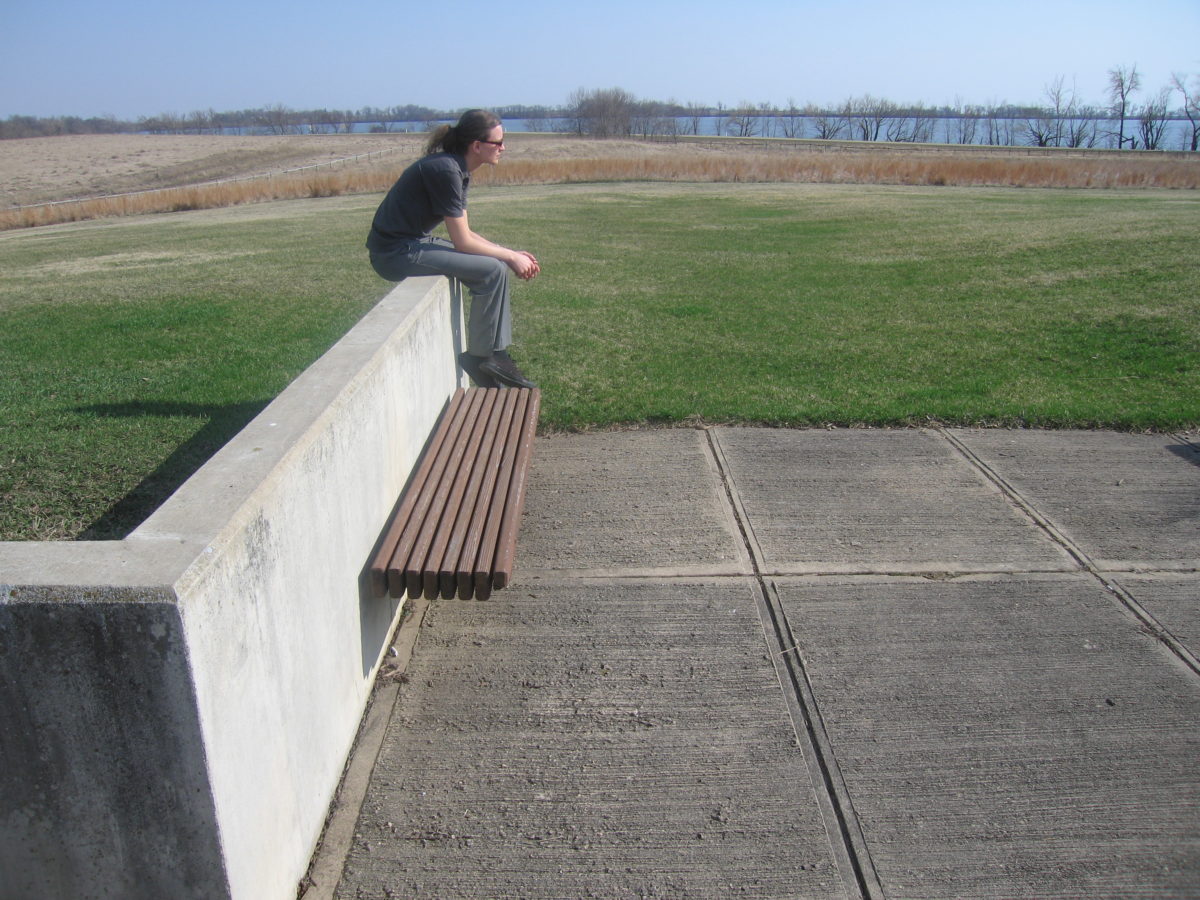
176, 707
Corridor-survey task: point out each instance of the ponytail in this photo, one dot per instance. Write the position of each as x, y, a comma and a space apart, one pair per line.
473, 125
438, 139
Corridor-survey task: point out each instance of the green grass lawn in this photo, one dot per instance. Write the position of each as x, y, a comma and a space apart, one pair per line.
133, 349
847, 305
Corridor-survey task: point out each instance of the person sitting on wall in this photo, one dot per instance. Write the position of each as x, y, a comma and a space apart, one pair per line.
432, 191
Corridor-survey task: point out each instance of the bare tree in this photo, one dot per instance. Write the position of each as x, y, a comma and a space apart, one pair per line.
719, 120
1122, 84
898, 129
924, 123
790, 121
1001, 126
1152, 120
278, 119
742, 121
325, 121
1062, 107
1039, 130
913, 125
766, 119
1083, 128
652, 119
1050, 125
1191, 107
168, 123
963, 125
828, 126
607, 112
201, 121
866, 116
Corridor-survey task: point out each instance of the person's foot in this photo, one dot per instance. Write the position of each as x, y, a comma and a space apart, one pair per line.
501, 368
470, 365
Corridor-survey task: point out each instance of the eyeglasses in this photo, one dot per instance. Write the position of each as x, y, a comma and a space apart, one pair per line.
499, 143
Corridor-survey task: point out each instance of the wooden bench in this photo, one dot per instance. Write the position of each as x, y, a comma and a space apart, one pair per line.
455, 529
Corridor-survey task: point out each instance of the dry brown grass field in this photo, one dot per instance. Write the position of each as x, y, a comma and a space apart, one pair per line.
57, 179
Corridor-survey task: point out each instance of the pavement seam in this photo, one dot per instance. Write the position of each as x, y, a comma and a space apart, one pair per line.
1123, 598
846, 839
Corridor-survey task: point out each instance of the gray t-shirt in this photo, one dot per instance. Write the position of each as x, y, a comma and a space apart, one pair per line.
428, 191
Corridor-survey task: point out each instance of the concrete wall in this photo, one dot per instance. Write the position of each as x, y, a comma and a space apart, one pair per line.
176, 708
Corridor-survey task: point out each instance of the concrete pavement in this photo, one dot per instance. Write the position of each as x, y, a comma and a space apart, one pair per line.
744, 662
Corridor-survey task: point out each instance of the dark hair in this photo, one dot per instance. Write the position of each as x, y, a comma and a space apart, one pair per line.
473, 125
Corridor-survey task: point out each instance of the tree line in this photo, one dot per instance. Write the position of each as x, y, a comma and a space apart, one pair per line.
276, 119
1062, 119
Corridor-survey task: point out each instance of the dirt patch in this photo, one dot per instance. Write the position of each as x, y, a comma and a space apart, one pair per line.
42, 170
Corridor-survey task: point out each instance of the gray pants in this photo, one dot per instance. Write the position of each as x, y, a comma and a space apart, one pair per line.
489, 326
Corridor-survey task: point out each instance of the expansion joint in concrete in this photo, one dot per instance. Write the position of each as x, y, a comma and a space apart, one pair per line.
846, 839
1122, 597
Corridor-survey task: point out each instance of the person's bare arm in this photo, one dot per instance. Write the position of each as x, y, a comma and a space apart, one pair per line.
467, 241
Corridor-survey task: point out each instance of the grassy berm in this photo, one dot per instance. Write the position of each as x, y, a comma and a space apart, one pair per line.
133, 348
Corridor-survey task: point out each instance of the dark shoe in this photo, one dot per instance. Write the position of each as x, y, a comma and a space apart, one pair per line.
501, 367
470, 365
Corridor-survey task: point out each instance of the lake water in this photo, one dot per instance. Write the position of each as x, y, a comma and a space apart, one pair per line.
1005, 132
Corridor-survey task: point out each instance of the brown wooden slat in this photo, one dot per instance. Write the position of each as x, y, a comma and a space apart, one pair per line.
464, 574
489, 550
416, 568
457, 497
469, 507
506, 545
455, 529
433, 457
404, 569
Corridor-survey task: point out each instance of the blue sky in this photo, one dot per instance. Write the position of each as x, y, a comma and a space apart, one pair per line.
131, 58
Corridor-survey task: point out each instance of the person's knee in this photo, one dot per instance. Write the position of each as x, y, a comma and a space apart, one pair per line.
499, 268
492, 273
